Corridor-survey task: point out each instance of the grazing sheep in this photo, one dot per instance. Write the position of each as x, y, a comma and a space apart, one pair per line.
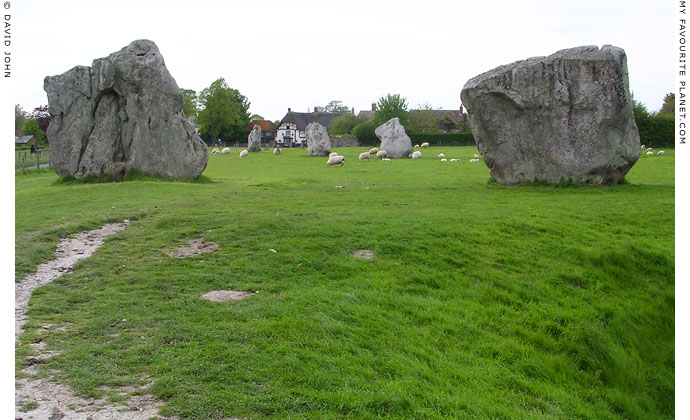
416, 155
455, 160
475, 156
225, 151
425, 144
416, 146
441, 155
381, 154
385, 159
474, 160
333, 154
444, 160
660, 152
336, 160
215, 151
650, 153
649, 149
642, 147
276, 151
363, 156
243, 154
373, 151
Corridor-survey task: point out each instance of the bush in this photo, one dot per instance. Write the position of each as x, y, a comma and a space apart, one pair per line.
443, 139
344, 124
365, 134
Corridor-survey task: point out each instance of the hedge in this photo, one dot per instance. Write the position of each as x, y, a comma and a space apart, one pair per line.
443, 139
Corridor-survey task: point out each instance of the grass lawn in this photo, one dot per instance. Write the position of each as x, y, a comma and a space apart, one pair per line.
482, 301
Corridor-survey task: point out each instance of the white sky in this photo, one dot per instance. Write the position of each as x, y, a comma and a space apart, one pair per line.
304, 53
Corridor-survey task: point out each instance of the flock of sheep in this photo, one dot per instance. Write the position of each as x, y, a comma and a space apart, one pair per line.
650, 152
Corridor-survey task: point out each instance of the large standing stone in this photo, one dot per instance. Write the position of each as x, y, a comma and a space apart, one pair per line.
124, 112
562, 117
318, 142
254, 139
394, 139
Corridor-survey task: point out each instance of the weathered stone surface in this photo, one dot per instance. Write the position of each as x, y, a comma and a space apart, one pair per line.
254, 139
318, 142
562, 117
124, 112
394, 139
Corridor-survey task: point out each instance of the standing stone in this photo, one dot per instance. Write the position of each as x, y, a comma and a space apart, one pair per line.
394, 139
564, 117
318, 142
124, 112
254, 139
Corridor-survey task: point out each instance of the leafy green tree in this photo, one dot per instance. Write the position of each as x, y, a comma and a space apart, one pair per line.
224, 113
423, 121
392, 106
669, 106
344, 124
256, 117
333, 106
31, 128
19, 117
190, 102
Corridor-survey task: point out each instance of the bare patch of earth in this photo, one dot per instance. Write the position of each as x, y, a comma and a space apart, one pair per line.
42, 398
226, 295
366, 254
193, 247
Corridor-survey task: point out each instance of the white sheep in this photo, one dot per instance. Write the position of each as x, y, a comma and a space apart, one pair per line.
333, 154
441, 155
416, 155
385, 159
650, 153
649, 149
455, 160
444, 160
416, 146
276, 151
474, 160
475, 156
381, 154
336, 160
243, 154
363, 156
642, 147
425, 144
373, 151
215, 151
660, 153
225, 151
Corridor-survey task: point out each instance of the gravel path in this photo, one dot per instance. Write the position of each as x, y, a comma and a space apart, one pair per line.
43, 399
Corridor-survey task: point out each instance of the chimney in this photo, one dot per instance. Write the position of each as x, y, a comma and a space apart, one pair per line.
353, 111
316, 110
373, 107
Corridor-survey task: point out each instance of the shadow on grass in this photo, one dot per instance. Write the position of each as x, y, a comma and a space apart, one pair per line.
131, 175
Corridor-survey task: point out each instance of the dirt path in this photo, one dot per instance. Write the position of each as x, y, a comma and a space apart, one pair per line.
41, 399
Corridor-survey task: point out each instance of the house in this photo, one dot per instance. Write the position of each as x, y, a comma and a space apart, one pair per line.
438, 120
23, 140
368, 115
268, 130
292, 128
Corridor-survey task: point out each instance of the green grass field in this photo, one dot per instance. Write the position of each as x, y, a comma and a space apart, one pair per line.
481, 302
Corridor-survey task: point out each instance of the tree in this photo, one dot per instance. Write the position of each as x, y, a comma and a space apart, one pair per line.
669, 106
424, 121
31, 128
256, 117
190, 102
365, 133
344, 124
333, 106
42, 116
392, 106
224, 113
19, 117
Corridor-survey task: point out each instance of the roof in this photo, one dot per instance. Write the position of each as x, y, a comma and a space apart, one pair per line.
22, 139
366, 114
301, 119
266, 126
453, 114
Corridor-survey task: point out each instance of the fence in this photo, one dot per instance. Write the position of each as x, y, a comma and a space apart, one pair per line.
24, 159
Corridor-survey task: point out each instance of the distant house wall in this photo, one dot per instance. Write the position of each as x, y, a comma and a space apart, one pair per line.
344, 141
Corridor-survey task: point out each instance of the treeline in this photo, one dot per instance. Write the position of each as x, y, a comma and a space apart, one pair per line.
657, 129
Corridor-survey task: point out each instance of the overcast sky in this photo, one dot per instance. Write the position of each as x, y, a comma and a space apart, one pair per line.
301, 54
